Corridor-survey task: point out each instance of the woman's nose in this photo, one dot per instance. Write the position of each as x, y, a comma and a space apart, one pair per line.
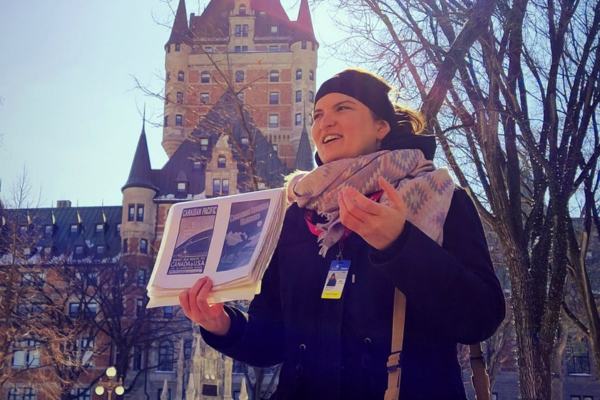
327, 120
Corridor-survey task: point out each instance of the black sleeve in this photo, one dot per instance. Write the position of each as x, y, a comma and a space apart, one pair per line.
454, 285
256, 337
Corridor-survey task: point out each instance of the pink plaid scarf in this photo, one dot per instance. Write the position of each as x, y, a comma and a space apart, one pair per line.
426, 191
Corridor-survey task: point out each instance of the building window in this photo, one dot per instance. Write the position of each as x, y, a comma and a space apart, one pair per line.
142, 277
245, 140
187, 348
181, 186
139, 307
209, 390
274, 28
168, 312
100, 249
311, 96
204, 98
240, 96
140, 213
304, 44
177, 47
74, 310
118, 228
124, 249
91, 309
225, 187
131, 212
298, 96
216, 187
273, 48
22, 393
35, 279
80, 394
298, 74
143, 246
99, 228
74, 228
168, 77
274, 76
79, 250
274, 98
91, 277
241, 30
47, 251
205, 77
578, 358
273, 120
239, 76
311, 75
203, 144
137, 358
298, 119
180, 76
241, 49
242, 10
166, 121
221, 161
165, 356
178, 120
179, 97
49, 230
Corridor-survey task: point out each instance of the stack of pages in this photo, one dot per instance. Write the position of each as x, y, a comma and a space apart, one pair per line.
229, 239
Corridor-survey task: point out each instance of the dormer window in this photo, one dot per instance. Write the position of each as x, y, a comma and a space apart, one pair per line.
221, 163
197, 164
203, 144
48, 230
177, 47
181, 186
74, 228
304, 44
99, 228
274, 28
242, 10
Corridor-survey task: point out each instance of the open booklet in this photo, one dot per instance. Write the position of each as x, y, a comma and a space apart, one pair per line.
229, 239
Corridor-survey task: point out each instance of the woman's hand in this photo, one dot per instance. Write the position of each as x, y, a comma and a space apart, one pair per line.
211, 317
378, 224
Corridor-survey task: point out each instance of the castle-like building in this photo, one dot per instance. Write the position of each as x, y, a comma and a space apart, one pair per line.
239, 81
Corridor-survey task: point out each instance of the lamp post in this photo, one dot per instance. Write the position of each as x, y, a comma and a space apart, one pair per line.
109, 384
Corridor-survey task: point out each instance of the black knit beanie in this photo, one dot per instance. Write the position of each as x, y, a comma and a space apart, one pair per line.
373, 91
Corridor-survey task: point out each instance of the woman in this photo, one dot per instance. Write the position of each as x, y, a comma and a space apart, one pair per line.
407, 227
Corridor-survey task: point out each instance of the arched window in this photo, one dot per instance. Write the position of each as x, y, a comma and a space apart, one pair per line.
165, 356
205, 77
274, 76
180, 76
299, 73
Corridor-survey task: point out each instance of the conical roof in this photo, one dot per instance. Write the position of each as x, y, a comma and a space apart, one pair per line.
304, 25
304, 156
140, 174
180, 32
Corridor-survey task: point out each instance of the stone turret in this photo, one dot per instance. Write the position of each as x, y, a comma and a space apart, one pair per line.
179, 119
139, 210
304, 48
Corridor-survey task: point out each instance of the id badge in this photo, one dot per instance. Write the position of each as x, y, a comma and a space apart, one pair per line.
336, 278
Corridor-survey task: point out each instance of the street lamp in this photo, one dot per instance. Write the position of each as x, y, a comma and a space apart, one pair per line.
109, 384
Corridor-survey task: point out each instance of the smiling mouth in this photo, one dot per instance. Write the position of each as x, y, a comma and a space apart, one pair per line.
330, 138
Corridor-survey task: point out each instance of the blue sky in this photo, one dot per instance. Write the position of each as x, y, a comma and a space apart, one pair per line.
69, 112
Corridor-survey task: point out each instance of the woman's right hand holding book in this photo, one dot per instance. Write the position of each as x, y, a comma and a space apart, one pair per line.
211, 317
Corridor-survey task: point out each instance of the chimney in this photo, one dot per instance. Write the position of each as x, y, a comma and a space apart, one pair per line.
63, 204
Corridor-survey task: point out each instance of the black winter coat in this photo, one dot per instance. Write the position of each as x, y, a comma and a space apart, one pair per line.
338, 349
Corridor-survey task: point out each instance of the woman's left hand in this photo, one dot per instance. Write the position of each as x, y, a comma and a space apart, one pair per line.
378, 224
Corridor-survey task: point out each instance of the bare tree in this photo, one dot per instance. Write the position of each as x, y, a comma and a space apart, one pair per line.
510, 89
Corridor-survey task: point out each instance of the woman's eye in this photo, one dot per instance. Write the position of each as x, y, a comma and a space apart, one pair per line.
341, 108
316, 117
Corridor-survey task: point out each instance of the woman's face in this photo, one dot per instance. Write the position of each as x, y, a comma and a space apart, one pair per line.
343, 127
